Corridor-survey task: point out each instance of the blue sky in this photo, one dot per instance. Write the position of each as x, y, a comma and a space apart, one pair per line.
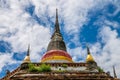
92, 22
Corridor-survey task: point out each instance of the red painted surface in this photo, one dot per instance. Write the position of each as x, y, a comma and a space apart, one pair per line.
56, 53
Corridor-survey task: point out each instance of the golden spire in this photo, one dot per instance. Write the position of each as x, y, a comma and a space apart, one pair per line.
89, 56
27, 58
115, 76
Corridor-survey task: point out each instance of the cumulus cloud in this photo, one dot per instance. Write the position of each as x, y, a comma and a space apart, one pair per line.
6, 59
78, 54
19, 29
111, 49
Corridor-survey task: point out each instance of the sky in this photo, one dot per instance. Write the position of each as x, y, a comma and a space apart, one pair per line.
92, 22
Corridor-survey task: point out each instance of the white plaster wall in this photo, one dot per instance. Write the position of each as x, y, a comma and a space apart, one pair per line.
69, 68
58, 61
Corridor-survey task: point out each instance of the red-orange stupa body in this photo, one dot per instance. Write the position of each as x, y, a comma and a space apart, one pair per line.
56, 56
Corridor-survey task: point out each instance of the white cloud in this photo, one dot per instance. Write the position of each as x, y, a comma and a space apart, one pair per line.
75, 16
110, 51
22, 29
114, 24
6, 59
40, 37
78, 53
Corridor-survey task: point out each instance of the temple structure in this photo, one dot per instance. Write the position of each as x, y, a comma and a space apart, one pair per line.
57, 64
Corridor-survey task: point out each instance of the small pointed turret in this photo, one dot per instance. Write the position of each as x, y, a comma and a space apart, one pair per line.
27, 58
88, 51
115, 76
28, 51
56, 42
89, 56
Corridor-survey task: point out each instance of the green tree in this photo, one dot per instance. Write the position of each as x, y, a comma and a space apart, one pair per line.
45, 68
41, 68
32, 68
100, 70
65, 65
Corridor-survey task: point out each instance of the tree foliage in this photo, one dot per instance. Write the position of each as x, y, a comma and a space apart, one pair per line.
100, 70
65, 65
41, 68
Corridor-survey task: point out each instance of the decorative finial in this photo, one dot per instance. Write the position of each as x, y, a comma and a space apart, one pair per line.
88, 51
57, 14
27, 58
89, 56
115, 76
57, 29
28, 51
